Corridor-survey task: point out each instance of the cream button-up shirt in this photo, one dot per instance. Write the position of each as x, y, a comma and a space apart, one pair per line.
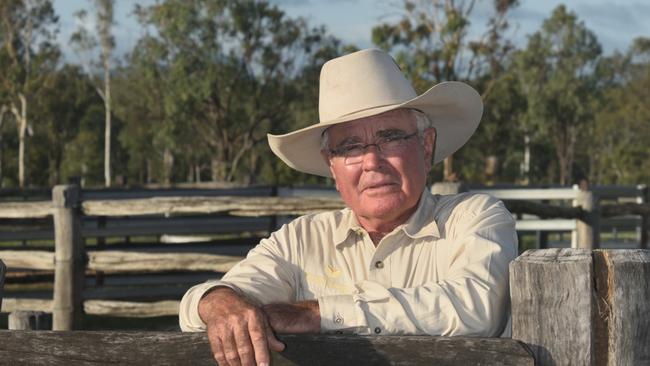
443, 272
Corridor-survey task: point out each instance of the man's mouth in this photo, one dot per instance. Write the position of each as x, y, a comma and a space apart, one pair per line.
379, 185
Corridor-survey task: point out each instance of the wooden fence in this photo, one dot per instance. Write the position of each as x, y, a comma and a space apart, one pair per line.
70, 261
582, 307
569, 307
149, 348
186, 227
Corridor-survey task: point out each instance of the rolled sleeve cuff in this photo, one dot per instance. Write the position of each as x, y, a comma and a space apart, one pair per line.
339, 312
188, 313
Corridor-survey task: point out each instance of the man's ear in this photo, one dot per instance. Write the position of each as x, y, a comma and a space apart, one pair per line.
430, 135
327, 160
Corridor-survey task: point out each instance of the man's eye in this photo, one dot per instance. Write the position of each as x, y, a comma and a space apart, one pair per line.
348, 149
392, 138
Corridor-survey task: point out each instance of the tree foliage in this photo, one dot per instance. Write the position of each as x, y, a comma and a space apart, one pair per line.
221, 74
27, 59
208, 79
432, 44
556, 71
85, 41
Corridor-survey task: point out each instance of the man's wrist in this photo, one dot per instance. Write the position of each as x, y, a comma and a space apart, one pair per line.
300, 317
209, 297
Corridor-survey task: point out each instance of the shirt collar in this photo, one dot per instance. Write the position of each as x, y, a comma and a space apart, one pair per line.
346, 225
422, 222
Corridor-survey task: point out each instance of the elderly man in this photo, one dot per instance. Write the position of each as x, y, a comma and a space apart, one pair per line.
397, 260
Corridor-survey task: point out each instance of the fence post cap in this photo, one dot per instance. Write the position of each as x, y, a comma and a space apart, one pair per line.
66, 196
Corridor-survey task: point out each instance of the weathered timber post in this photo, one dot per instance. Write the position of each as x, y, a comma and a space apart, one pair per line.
29, 320
582, 307
2, 280
68, 258
588, 226
623, 290
645, 222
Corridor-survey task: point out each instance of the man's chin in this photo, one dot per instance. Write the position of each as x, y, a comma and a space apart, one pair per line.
385, 208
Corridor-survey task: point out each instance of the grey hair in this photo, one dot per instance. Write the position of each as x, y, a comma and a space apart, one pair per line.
422, 122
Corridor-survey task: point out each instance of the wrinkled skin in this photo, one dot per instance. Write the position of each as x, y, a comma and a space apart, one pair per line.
382, 191
241, 333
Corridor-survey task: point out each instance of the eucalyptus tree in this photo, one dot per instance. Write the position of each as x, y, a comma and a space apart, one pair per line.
557, 75
432, 43
221, 74
63, 104
619, 151
85, 42
27, 58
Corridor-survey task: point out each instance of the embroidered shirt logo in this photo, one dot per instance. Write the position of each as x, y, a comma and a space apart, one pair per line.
332, 271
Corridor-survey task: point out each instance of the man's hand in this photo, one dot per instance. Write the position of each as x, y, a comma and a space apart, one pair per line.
238, 331
300, 317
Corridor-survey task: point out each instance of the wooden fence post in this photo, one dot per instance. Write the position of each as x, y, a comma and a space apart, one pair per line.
588, 227
582, 307
645, 222
29, 320
68, 258
2, 280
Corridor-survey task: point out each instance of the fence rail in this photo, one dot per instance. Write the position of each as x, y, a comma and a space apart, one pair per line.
250, 213
569, 306
171, 348
126, 210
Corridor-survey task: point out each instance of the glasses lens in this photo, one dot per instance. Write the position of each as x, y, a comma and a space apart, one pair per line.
353, 154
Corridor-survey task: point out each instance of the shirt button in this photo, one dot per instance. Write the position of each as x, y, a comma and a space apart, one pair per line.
338, 320
379, 264
377, 330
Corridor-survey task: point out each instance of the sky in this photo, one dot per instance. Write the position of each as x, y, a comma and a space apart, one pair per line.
615, 22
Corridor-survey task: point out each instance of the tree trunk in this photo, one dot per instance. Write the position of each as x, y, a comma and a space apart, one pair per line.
526, 166
254, 168
449, 175
105, 20
1, 149
53, 176
149, 169
168, 166
197, 171
107, 132
190, 173
2, 116
218, 169
491, 169
21, 140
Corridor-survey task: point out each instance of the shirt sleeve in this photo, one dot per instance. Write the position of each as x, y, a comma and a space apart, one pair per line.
264, 276
472, 299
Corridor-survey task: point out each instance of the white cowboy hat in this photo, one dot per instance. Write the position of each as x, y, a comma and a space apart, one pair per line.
367, 83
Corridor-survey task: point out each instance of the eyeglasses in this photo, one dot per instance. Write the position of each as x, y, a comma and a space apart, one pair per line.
386, 146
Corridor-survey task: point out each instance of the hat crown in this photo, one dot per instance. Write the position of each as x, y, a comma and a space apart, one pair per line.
359, 81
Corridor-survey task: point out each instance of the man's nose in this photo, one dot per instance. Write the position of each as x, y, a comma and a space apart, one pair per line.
372, 157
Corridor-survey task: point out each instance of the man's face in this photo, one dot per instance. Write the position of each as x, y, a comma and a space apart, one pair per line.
382, 186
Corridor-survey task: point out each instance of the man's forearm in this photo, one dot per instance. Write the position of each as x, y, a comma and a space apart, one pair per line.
299, 317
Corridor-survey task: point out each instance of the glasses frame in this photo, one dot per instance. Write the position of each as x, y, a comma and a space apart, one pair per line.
339, 152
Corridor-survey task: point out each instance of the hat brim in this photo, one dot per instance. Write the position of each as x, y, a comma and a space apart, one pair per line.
454, 108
